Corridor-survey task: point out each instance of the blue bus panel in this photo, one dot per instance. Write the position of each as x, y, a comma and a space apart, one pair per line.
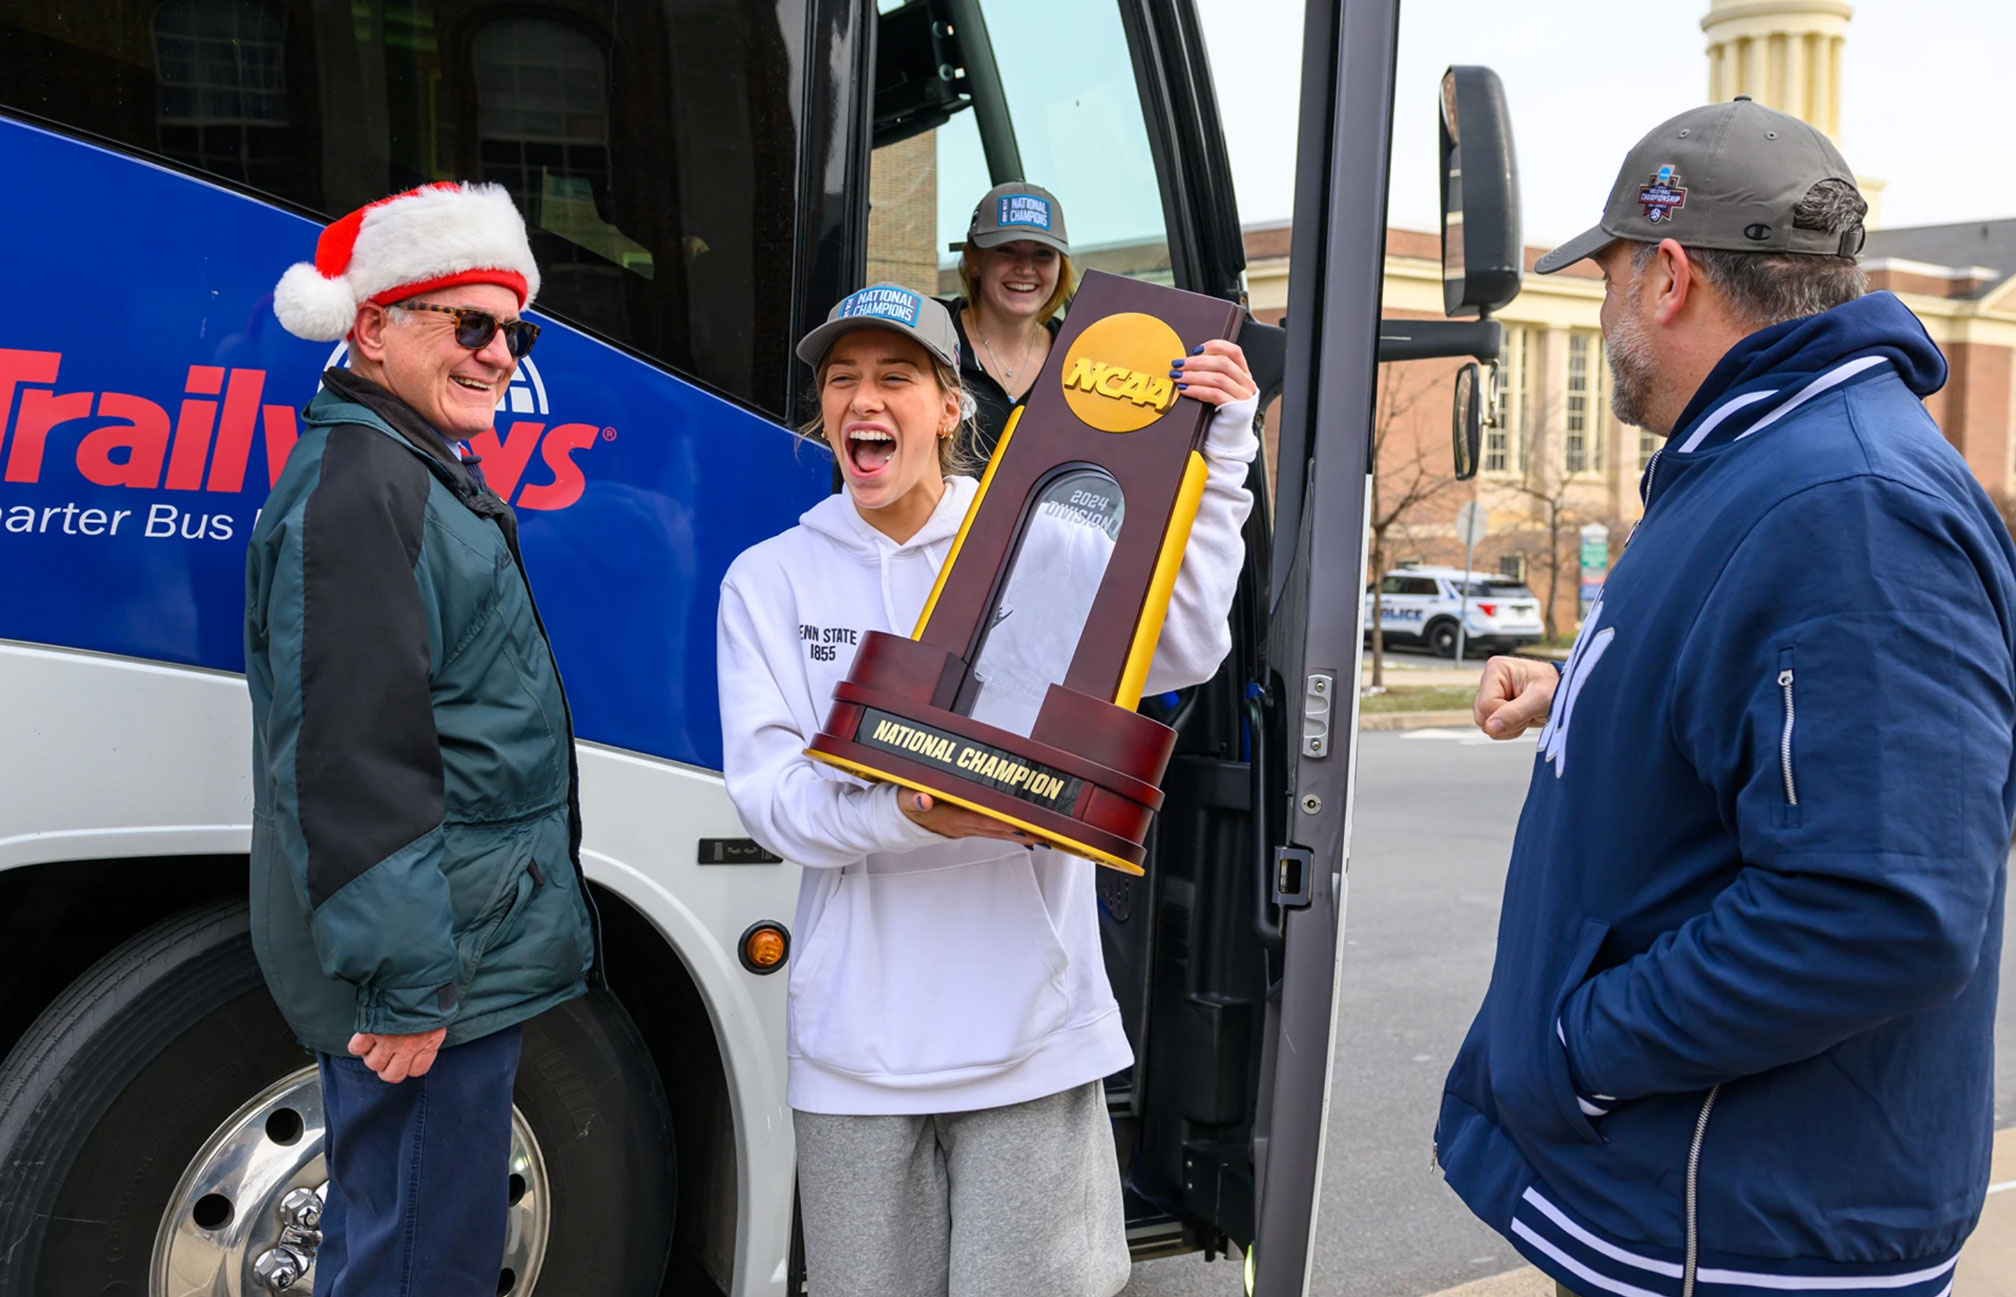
148, 399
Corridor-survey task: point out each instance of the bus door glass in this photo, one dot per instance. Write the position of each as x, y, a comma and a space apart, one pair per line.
1060, 109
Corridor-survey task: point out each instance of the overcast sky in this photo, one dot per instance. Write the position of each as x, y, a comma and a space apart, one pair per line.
1923, 105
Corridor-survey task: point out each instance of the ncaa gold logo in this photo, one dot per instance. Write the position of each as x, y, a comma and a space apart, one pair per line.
1115, 375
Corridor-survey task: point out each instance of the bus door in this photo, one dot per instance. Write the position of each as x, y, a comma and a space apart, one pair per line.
1334, 342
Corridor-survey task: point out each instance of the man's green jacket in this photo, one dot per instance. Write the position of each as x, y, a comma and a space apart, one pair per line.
416, 840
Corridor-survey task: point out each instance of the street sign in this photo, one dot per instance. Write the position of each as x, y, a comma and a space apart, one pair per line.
1470, 525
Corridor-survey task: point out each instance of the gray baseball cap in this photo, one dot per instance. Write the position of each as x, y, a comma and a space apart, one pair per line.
886, 306
1017, 210
1723, 176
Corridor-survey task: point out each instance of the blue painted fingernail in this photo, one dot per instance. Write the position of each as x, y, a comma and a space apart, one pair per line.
1182, 387
1197, 350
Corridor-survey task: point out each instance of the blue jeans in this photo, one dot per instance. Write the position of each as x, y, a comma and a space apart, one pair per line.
419, 1174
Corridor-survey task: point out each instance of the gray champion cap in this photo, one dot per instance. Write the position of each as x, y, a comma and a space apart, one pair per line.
1723, 176
1017, 210
885, 306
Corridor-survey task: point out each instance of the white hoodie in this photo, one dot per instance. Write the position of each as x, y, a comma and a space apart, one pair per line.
929, 974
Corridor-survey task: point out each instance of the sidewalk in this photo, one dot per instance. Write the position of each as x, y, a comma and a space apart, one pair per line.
1410, 677
1987, 1266
1417, 675
1411, 670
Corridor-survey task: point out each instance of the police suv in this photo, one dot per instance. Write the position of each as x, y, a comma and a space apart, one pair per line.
1422, 605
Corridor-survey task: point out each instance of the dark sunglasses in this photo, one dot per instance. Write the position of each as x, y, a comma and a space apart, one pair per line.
474, 328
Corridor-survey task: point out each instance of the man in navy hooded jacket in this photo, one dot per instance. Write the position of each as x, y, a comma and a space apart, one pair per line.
1738, 1039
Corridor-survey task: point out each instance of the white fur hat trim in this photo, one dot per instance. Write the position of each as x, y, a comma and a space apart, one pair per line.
427, 238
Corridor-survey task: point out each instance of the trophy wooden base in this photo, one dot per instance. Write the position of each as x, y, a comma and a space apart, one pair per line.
1095, 798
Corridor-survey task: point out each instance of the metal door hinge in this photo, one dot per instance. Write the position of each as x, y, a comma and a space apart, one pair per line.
1316, 715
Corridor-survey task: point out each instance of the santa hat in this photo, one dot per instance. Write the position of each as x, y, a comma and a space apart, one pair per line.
425, 239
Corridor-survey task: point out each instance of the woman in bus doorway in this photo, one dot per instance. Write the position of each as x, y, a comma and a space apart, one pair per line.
950, 1018
1015, 274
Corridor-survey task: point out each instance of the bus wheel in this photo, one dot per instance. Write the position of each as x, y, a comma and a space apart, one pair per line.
161, 1133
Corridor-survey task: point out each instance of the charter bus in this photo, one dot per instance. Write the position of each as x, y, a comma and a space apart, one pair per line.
702, 180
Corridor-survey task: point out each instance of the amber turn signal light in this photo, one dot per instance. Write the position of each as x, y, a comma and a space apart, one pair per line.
765, 947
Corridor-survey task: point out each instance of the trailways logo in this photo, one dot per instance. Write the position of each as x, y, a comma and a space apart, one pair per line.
208, 444
505, 459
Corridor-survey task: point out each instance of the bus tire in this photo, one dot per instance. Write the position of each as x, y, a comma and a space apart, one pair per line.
111, 1093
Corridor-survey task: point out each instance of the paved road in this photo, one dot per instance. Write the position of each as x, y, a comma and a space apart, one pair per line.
1434, 826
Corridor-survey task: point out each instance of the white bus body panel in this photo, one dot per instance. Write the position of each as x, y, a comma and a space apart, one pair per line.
111, 757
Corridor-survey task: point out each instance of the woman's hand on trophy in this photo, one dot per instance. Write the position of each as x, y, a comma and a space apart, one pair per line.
1215, 373
949, 821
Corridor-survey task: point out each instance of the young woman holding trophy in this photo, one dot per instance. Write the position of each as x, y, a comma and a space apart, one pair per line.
1015, 275
950, 1016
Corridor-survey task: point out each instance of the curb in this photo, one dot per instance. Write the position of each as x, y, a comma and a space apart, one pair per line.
1413, 720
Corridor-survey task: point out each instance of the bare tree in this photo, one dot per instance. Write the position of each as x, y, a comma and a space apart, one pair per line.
1417, 471
1560, 507
1549, 493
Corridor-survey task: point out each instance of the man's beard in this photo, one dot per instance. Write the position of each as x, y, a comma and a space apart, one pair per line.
1630, 354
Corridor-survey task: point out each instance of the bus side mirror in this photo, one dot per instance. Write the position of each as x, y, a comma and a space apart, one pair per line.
1466, 424
1483, 256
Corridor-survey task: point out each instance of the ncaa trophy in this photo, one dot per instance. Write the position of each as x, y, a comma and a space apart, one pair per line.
1015, 696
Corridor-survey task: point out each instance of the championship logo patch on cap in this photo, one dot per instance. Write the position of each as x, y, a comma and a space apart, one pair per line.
1024, 210
895, 304
1664, 196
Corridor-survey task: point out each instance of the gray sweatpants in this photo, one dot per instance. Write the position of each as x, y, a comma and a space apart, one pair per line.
1002, 1202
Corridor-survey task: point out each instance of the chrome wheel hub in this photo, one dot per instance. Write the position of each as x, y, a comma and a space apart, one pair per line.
246, 1219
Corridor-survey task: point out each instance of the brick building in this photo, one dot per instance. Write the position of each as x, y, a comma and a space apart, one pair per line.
1556, 458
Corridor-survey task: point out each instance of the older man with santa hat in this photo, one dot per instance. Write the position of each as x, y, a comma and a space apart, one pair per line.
416, 884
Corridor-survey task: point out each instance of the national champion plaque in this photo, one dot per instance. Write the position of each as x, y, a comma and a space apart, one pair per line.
1016, 694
